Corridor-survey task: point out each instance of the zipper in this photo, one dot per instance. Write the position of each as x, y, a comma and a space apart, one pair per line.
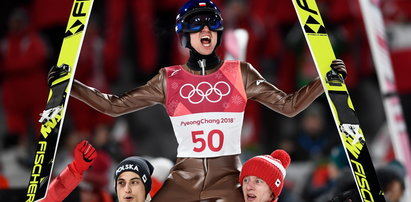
202, 64
205, 163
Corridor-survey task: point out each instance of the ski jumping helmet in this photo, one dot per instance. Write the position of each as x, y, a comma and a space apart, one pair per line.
194, 15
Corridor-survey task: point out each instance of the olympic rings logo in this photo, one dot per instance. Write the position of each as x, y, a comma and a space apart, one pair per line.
204, 95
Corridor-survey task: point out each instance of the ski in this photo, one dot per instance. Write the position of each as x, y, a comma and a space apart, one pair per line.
52, 117
339, 101
375, 28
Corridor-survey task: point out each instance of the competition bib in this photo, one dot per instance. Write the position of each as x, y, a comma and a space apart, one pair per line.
206, 111
208, 134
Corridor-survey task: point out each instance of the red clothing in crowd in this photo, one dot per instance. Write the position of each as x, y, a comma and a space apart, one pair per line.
4, 183
90, 69
397, 15
22, 59
49, 13
142, 14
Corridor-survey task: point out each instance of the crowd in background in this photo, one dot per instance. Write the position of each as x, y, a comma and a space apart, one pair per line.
128, 41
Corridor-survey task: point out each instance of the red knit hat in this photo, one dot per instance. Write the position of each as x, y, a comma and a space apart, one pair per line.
270, 168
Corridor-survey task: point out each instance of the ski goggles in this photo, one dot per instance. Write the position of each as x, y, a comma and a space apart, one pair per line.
197, 23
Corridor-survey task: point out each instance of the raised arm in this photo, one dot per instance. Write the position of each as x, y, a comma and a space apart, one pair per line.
71, 176
153, 92
258, 89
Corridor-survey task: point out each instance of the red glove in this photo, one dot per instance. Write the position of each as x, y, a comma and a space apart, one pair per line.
84, 155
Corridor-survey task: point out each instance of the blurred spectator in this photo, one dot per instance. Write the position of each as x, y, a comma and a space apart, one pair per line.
325, 175
286, 42
397, 18
391, 178
289, 195
22, 77
344, 24
4, 183
242, 40
141, 14
50, 18
90, 69
263, 40
344, 190
314, 138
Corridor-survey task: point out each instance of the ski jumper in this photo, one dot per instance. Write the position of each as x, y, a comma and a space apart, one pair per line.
206, 113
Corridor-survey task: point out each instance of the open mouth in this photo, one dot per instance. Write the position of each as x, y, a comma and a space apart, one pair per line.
251, 197
206, 41
128, 198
